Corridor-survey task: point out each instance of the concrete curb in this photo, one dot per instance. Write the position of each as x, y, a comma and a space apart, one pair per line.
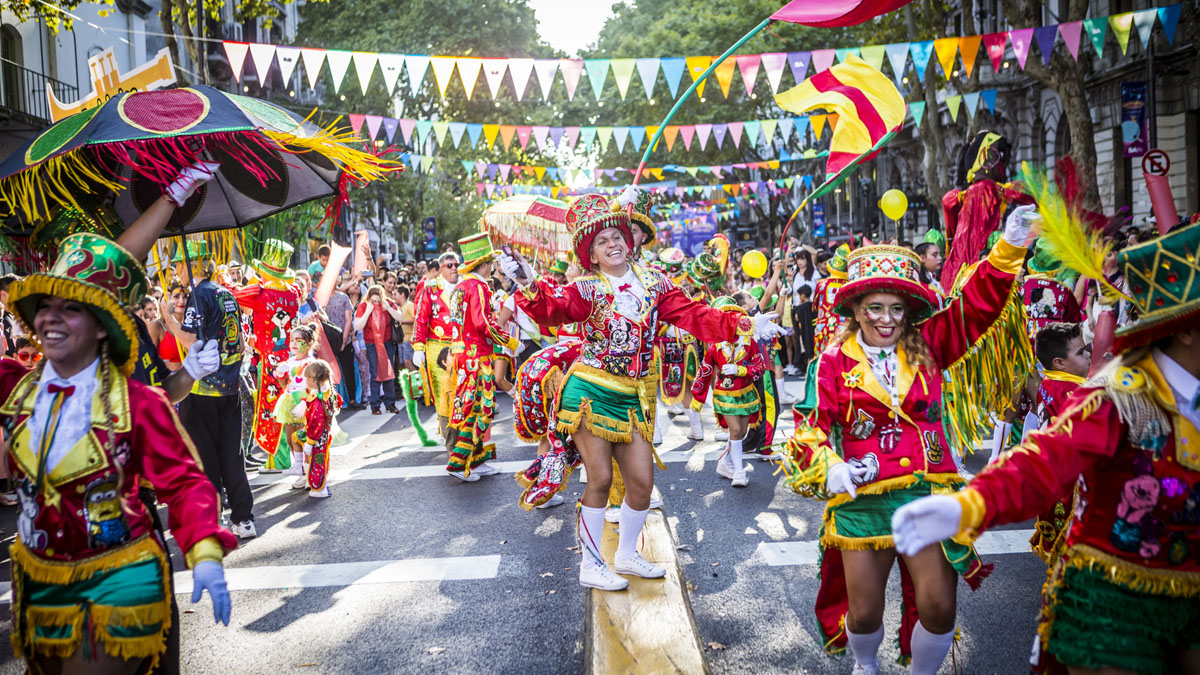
648, 628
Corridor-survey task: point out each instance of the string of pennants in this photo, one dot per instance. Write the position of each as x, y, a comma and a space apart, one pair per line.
773, 186
547, 139
521, 71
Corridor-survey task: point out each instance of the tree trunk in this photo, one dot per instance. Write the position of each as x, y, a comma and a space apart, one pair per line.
189, 40
934, 164
168, 29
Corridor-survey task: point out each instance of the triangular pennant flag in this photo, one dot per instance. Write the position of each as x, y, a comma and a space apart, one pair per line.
621, 134
748, 66
443, 67
389, 128
523, 136
552, 172
952, 104
687, 131
1070, 33
490, 131
768, 130
406, 130
801, 124
507, 132
441, 128
873, 55
1169, 16
702, 132
588, 134
540, 134
605, 135
235, 52
571, 70
972, 102
921, 52
696, 65
897, 54
468, 71
474, 131
636, 136
821, 60
1121, 25
719, 131
1022, 39
846, 52
391, 65
416, 65
493, 74
784, 156
818, 125
1096, 30
364, 67
994, 43
833, 120
597, 71
623, 73
917, 109
774, 63
735, 133
946, 49
312, 60
1144, 20
673, 72
572, 137
752, 128
669, 135
356, 122
262, 56
798, 63
519, 70
648, 70
373, 124
724, 74
546, 69
339, 63
505, 169
785, 128
287, 57
968, 49
491, 171
989, 97
1045, 36
427, 163
556, 135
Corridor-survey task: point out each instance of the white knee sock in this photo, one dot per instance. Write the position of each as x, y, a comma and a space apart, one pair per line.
865, 647
929, 650
735, 453
693, 418
591, 529
630, 529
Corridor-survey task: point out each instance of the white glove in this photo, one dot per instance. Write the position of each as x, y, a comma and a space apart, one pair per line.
926, 521
189, 180
765, 327
843, 477
202, 360
729, 369
419, 359
629, 196
515, 268
300, 409
1016, 226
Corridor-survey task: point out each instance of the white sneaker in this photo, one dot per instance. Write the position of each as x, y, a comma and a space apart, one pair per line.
612, 514
658, 439
655, 503
300, 483
296, 469
676, 409
725, 468
556, 500
463, 477
639, 566
739, 479
600, 577
485, 469
696, 433
245, 530
721, 435
863, 670
791, 370
320, 494
787, 399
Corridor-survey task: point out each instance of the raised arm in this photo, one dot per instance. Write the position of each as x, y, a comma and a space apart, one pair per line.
553, 305
697, 318
478, 312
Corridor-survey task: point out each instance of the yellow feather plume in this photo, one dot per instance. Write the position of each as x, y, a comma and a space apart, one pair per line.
1064, 232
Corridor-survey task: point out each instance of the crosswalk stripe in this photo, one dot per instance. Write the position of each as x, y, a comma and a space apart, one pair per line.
783, 553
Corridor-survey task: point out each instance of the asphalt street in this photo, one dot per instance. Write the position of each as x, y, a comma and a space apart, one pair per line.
406, 569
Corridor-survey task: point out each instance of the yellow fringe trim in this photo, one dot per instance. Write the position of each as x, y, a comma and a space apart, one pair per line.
899, 483
837, 541
61, 573
621, 431
1135, 577
336, 146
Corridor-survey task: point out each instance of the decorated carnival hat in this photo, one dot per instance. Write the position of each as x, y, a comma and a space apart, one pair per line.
196, 250
588, 216
837, 264
1163, 280
275, 262
885, 269
704, 268
560, 266
672, 258
95, 272
726, 303
476, 249
639, 216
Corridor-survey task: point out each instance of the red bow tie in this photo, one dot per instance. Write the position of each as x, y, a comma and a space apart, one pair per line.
65, 391
624, 287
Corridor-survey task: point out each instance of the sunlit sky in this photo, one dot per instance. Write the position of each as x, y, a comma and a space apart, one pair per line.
571, 25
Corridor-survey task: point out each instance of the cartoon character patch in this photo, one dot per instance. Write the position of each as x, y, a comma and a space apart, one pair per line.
933, 447
33, 538
1135, 530
864, 425
889, 438
279, 334
852, 379
106, 520
871, 463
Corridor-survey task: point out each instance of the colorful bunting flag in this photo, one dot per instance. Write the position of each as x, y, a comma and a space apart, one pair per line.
822, 59
312, 60
262, 56
1096, 30
1021, 39
724, 75
921, 54
546, 69
1045, 36
493, 74
748, 66
1070, 32
597, 71
768, 130
696, 65
702, 132
1169, 17
442, 67
673, 72
1121, 25
718, 131
946, 49
364, 67
389, 127
897, 54
995, 43
507, 132
874, 55
687, 131
798, 62
391, 65
648, 70
572, 69
917, 108
1144, 20
968, 49
416, 65
989, 97
847, 52
773, 63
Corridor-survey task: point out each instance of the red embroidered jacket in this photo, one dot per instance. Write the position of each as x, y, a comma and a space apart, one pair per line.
1137, 515
615, 343
894, 443
431, 313
85, 508
473, 329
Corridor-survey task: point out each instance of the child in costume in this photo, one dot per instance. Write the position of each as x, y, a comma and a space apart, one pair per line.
881, 386
288, 408
321, 404
1124, 587
731, 369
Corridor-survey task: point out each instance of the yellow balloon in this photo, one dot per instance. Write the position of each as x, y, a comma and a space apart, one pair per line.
754, 264
894, 204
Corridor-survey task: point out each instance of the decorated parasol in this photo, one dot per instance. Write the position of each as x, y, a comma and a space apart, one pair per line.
535, 226
126, 151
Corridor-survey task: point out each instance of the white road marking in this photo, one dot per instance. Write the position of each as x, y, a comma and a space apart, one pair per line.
782, 553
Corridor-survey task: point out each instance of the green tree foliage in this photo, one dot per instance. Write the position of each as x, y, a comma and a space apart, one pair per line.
55, 13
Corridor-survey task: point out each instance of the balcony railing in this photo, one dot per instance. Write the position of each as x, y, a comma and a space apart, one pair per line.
23, 92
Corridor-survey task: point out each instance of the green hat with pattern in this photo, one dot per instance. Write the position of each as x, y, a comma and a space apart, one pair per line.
276, 261
96, 272
837, 264
476, 249
196, 250
727, 304
1163, 280
560, 266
